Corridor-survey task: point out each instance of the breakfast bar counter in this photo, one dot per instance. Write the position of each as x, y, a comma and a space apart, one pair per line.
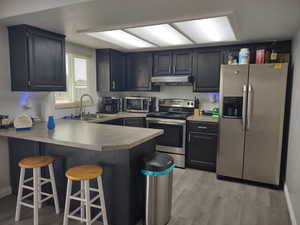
81, 134
118, 149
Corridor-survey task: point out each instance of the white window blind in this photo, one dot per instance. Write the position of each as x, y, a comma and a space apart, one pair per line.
77, 71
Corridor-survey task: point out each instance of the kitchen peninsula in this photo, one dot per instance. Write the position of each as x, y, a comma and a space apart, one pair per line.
118, 149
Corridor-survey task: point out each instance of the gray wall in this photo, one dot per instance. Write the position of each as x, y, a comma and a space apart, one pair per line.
293, 162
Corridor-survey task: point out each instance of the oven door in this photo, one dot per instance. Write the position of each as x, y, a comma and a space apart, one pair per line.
173, 139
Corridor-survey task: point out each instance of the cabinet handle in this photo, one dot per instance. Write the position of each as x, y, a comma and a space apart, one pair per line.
113, 85
189, 137
29, 83
202, 127
174, 69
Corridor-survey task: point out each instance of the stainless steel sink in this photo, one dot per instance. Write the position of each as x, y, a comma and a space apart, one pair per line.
90, 116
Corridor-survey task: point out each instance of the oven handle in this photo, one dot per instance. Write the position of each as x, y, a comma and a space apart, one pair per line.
167, 121
164, 123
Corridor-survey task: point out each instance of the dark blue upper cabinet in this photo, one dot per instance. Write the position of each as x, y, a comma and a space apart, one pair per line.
37, 59
139, 72
162, 64
178, 62
182, 62
206, 70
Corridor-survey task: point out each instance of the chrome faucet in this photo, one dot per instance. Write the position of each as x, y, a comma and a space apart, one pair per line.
82, 109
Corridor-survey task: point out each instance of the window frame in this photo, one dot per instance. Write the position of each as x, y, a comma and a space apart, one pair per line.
74, 103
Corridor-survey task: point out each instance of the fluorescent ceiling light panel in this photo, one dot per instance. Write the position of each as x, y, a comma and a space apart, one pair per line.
209, 30
121, 38
161, 35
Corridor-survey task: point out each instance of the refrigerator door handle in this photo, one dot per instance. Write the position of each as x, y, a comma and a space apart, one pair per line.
244, 106
250, 92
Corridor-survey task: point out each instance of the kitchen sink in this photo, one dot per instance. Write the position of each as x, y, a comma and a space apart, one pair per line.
90, 116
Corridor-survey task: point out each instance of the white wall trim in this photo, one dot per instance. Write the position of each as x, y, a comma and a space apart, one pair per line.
5, 191
290, 205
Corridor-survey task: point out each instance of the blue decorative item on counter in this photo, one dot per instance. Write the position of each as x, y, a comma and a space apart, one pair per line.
51, 123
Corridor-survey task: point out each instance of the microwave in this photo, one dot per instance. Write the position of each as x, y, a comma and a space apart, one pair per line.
139, 104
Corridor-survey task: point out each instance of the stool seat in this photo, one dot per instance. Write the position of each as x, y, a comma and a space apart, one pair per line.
36, 162
85, 172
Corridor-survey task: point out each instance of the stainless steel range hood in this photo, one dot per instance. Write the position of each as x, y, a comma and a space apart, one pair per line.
172, 80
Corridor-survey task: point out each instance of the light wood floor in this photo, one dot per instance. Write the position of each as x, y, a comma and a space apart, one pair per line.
198, 199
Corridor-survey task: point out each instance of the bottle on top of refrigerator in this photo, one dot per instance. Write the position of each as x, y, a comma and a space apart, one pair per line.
244, 56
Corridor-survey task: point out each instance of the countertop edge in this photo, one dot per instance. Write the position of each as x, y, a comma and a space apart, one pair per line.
102, 147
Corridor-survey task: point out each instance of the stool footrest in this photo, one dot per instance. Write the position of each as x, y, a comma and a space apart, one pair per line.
77, 198
94, 189
96, 217
44, 181
46, 199
46, 194
28, 180
28, 187
75, 211
27, 196
77, 218
95, 198
26, 204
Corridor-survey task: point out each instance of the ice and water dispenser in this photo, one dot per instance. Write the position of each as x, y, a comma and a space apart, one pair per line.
232, 107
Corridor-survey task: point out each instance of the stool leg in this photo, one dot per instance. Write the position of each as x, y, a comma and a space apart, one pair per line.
67, 203
35, 197
82, 203
54, 191
88, 201
102, 200
20, 194
39, 188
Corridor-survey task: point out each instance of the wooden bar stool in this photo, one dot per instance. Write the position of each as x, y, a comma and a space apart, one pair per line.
36, 163
84, 174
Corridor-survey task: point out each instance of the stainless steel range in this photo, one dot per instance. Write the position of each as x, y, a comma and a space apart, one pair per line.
172, 119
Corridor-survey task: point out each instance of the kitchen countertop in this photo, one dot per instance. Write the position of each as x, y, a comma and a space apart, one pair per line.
106, 117
202, 118
85, 135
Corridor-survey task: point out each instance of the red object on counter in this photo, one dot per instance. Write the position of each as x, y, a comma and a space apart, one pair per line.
260, 56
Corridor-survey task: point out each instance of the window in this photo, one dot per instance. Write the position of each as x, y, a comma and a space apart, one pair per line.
77, 71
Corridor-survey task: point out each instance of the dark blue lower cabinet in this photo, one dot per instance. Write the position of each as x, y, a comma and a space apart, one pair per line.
124, 185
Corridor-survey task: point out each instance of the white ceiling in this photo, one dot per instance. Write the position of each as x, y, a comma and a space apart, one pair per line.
253, 20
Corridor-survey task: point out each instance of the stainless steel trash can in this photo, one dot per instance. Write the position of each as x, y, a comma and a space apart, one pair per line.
158, 169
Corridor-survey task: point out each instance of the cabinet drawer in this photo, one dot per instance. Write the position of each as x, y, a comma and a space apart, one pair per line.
206, 127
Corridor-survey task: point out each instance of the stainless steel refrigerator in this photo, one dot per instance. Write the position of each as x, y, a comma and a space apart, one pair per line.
252, 106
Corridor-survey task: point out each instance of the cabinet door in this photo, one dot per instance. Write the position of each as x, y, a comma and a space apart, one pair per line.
135, 122
117, 71
46, 62
202, 150
103, 70
18, 150
162, 63
206, 71
182, 62
139, 71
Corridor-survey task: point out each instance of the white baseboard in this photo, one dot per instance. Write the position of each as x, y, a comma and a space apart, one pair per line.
290, 205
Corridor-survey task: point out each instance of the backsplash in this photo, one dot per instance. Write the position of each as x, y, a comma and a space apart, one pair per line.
185, 92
